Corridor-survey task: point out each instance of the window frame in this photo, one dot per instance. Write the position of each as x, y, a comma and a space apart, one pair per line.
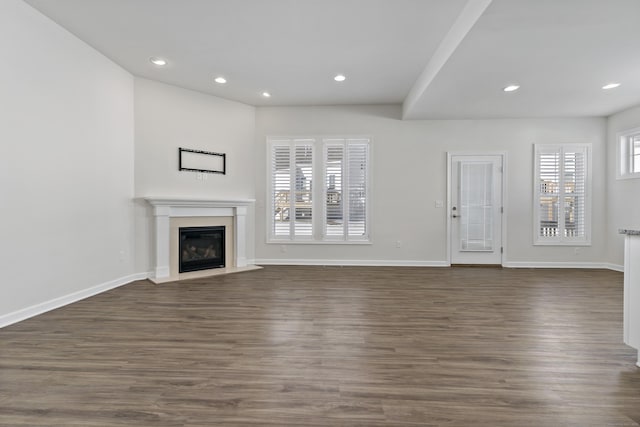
561, 240
625, 160
319, 192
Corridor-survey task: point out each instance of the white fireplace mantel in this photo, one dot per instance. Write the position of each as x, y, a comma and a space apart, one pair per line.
165, 208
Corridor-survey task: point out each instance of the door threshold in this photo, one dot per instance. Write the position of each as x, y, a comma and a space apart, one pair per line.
477, 265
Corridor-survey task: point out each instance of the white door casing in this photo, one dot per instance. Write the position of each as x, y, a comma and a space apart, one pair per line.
475, 208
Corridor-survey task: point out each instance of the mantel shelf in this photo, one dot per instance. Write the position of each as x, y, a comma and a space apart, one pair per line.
196, 202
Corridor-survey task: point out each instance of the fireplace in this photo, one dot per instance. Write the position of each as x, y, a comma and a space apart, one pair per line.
201, 248
170, 214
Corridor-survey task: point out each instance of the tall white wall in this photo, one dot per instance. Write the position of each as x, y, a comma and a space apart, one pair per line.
69, 169
409, 174
168, 117
66, 168
623, 196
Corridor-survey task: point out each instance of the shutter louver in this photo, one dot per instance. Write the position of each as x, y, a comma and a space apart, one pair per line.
357, 211
334, 159
281, 189
302, 203
549, 187
574, 193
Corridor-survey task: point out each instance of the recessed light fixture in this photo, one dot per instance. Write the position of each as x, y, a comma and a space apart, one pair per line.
611, 86
220, 80
266, 94
340, 78
511, 88
160, 62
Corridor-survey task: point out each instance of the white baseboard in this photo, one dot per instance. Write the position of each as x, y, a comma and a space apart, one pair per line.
34, 310
352, 262
586, 265
408, 263
614, 267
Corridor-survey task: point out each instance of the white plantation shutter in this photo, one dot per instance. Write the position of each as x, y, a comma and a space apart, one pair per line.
575, 182
280, 189
561, 194
358, 164
346, 169
291, 174
303, 201
549, 192
334, 227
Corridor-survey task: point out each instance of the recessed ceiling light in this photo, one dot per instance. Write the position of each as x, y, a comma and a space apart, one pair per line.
220, 80
511, 88
266, 94
340, 78
158, 61
611, 86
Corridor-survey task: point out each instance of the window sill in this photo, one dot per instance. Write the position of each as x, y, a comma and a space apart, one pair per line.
318, 242
564, 243
628, 176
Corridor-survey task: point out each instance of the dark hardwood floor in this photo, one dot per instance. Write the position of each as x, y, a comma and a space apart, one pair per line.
313, 346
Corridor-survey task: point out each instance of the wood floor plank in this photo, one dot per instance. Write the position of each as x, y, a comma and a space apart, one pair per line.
330, 346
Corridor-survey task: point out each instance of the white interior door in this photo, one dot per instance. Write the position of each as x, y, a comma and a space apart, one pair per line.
475, 209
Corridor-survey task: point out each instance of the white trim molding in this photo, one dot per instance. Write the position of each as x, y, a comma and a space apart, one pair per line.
165, 208
43, 307
583, 265
416, 263
353, 262
624, 154
614, 267
504, 196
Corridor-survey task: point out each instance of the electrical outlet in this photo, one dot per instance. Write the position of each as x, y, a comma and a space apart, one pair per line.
398, 243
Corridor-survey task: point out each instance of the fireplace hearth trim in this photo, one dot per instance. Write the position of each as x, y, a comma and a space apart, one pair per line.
166, 208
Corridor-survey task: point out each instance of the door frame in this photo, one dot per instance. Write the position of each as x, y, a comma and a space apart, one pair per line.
503, 156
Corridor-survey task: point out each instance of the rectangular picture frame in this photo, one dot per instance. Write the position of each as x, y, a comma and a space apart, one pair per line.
202, 161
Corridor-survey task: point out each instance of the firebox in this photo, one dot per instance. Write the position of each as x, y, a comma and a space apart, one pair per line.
201, 248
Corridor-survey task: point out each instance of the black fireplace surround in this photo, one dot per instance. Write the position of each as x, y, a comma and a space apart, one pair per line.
201, 248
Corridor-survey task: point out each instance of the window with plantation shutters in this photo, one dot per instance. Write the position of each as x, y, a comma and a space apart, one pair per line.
318, 190
562, 194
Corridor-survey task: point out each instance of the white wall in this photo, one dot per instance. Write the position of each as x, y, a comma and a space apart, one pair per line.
623, 196
66, 168
168, 117
413, 154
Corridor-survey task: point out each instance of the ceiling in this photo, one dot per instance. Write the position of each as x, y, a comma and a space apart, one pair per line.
444, 59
